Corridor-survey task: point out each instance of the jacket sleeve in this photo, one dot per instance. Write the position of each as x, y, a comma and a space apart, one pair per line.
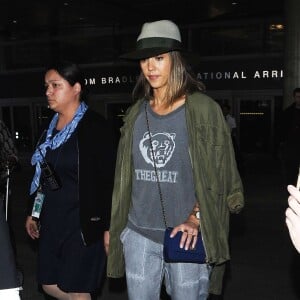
235, 196
232, 182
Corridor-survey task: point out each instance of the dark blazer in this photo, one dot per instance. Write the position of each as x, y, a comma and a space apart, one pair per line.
96, 171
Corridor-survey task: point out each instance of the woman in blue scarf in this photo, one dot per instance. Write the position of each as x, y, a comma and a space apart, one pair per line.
71, 190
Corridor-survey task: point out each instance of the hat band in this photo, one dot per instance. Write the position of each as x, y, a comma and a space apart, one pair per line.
156, 42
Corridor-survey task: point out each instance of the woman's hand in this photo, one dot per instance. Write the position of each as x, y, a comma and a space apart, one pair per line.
190, 230
106, 241
293, 216
32, 228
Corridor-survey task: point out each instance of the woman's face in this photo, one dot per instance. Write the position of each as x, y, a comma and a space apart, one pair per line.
157, 70
60, 94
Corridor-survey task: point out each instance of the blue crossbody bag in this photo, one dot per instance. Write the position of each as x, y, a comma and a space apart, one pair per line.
173, 253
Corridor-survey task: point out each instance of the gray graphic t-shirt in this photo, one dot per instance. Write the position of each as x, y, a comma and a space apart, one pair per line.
171, 154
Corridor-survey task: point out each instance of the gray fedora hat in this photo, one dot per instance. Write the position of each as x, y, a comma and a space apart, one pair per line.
156, 38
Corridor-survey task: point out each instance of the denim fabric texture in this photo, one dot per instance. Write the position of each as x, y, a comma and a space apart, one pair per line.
146, 270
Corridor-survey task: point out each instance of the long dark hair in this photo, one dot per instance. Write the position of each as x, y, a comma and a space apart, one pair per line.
181, 81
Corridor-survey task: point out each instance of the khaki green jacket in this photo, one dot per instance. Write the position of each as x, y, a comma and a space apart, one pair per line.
217, 182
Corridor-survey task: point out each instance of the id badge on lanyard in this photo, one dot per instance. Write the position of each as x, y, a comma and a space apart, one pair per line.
38, 204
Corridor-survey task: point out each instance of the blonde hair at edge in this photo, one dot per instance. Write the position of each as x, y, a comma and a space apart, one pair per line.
180, 80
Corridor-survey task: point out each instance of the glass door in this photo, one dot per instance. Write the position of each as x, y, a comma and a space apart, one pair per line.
255, 124
18, 120
25, 123
42, 116
23, 127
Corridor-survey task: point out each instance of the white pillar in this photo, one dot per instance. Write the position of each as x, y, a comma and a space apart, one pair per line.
292, 50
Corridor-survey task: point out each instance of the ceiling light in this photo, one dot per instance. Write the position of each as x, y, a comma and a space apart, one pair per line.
276, 27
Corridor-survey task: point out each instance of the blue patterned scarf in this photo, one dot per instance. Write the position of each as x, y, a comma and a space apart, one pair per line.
53, 142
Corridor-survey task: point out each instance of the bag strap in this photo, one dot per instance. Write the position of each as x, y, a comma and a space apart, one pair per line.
155, 168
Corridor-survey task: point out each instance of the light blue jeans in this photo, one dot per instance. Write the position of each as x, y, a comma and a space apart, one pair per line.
146, 269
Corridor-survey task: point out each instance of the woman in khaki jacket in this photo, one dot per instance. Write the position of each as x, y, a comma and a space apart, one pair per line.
178, 135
